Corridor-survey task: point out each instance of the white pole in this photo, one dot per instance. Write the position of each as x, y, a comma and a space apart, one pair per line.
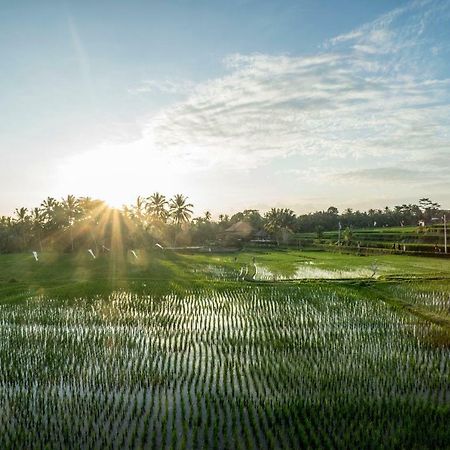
445, 234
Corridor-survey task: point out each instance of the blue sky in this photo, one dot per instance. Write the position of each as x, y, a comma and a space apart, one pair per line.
300, 104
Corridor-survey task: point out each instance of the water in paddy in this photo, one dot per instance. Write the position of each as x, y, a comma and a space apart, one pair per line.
250, 367
302, 271
310, 271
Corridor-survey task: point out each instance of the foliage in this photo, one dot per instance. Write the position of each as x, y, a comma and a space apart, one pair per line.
73, 223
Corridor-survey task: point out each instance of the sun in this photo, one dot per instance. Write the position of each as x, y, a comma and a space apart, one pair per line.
118, 173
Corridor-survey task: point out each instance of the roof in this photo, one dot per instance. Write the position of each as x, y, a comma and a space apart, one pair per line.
241, 228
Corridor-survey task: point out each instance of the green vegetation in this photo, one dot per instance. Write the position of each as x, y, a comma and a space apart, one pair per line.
394, 240
74, 224
182, 351
165, 265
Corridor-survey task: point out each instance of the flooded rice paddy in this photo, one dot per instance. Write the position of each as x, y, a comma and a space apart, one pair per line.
245, 367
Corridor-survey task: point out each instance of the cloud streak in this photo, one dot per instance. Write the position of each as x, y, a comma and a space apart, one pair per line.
390, 175
362, 97
166, 86
370, 108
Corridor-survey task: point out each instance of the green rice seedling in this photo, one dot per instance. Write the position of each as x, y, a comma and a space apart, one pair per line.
262, 366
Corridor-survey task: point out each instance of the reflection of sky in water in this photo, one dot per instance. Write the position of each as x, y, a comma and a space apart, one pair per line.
306, 270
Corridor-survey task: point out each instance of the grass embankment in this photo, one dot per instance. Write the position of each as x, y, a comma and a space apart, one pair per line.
412, 240
387, 266
54, 270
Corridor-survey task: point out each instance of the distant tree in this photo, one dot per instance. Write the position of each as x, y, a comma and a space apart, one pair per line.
48, 206
333, 211
157, 207
429, 208
138, 210
179, 209
92, 223
72, 211
319, 231
347, 235
277, 220
22, 225
51, 209
94, 214
37, 224
21, 215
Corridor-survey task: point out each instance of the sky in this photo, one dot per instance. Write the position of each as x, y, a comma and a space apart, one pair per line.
238, 104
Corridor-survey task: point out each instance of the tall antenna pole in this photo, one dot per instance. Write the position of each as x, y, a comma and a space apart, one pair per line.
445, 234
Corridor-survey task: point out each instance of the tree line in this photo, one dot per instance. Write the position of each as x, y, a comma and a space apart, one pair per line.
75, 223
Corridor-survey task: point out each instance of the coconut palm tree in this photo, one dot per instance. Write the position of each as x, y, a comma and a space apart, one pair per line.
21, 215
156, 207
278, 220
49, 207
93, 212
37, 224
179, 209
139, 210
6, 232
71, 210
71, 207
22, 224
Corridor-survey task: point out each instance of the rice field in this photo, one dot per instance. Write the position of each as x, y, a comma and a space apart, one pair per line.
232, 365
431, 297
303, 271
308, 271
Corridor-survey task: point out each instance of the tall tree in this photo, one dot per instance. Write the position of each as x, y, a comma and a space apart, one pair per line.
22, 225
157, 207
37, 224
49, 207
72, 211
279, 221
179, 209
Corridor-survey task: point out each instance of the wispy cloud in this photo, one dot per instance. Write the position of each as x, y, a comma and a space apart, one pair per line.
388, 174
167, 86
371, 106
362, 96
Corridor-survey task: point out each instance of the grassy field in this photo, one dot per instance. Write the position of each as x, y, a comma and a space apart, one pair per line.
248, 350
54, 269
408, 239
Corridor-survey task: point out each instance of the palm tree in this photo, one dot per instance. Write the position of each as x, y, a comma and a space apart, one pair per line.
93, 212
49, 206
180, 210
208, 216
139, 210
21, 214
278, 220
22, 223
156, 206
6, 232
223, 218
71, 209
37, 224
